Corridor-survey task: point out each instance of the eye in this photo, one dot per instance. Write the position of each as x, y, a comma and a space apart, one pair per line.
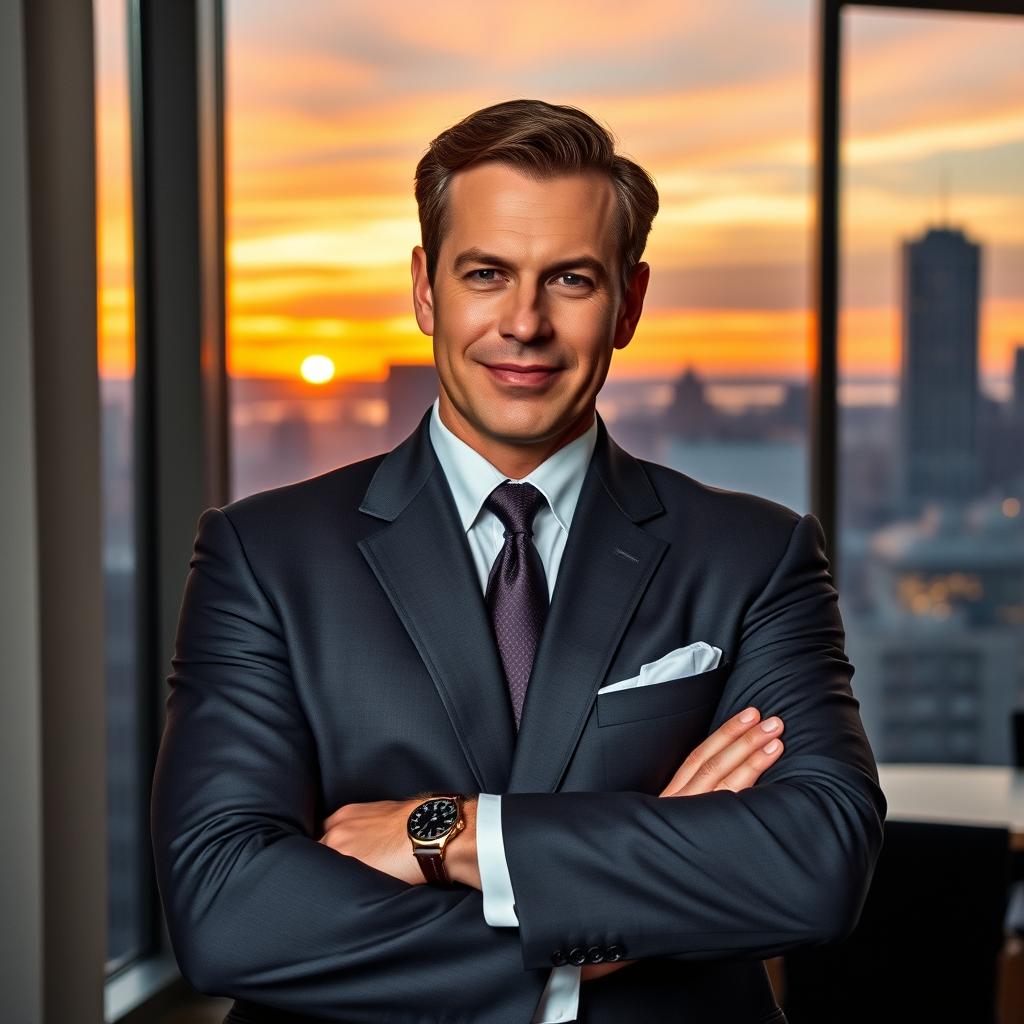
482, 270
579, 281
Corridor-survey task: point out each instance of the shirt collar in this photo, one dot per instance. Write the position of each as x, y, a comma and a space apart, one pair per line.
472, 478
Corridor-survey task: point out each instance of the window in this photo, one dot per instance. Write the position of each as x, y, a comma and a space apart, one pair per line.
931, 353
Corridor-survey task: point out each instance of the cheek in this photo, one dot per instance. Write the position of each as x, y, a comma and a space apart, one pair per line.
457, 326
460, 310
592, 354
589, 328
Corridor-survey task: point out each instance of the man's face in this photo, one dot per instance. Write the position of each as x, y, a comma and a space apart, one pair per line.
526, 307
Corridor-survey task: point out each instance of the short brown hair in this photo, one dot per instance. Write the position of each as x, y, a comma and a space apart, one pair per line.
543, 140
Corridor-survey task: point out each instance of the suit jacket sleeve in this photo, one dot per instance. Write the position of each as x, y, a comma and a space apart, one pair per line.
256, 907
784, 863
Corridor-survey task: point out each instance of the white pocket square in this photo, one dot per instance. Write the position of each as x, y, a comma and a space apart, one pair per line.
683, 661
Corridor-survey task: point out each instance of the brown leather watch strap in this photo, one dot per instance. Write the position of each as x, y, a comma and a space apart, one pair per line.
432, 866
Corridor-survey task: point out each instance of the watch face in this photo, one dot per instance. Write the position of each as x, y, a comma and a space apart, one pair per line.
433, 819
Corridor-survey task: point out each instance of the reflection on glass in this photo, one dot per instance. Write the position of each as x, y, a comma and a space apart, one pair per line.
328, 110
932, 358
127, 827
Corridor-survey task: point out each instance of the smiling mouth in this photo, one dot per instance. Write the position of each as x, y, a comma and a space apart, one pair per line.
522, 376
532, 368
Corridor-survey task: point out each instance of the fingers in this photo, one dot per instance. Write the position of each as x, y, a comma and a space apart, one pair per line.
728, 732
732, 757
750, 770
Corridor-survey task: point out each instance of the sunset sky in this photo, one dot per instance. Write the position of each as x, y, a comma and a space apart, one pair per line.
330, 106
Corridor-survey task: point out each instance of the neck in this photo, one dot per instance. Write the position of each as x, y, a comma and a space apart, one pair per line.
513, 460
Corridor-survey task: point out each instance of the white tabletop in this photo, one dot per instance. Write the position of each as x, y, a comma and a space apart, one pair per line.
969, 794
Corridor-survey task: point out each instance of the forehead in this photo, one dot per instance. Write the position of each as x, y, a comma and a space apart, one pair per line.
499, 209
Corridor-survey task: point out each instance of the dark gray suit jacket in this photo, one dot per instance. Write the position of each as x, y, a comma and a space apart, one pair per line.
333, 646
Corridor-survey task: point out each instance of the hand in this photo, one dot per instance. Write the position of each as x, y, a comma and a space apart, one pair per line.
732, 757
376, 834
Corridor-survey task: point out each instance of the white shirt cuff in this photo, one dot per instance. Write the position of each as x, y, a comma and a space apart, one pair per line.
495, 883
561, 998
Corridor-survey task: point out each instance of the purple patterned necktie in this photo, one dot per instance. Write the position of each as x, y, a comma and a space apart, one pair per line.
517, 589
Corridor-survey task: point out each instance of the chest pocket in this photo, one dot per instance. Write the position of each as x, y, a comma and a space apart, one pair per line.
646, 732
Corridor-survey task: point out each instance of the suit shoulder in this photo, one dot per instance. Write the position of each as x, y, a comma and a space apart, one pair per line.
726, 509
302, 503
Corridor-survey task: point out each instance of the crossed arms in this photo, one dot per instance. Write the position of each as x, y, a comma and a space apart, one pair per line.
259, 909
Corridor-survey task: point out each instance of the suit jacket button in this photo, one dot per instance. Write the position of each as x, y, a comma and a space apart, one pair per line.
595, 955
613, 953
577, 956
558, 958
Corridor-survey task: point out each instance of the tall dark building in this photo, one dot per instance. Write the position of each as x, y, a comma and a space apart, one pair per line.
1017, 399
939, 373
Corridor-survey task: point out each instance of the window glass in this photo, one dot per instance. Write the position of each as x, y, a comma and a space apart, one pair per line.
931, 542
127, 825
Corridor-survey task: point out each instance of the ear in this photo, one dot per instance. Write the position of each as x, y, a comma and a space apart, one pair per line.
422, 293
632, 305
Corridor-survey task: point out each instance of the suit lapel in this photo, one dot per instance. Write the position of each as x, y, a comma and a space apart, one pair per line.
423, 562
607, 565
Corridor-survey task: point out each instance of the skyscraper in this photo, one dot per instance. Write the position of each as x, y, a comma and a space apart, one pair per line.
939, 372
1017, 397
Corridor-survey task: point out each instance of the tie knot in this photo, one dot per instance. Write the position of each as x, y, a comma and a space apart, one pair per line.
515, 505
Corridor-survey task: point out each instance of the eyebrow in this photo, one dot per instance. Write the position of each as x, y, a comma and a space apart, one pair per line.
475, 255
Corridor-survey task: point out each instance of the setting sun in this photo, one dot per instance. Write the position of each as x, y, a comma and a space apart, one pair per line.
317, 369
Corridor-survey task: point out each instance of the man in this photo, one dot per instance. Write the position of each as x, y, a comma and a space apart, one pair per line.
458, 732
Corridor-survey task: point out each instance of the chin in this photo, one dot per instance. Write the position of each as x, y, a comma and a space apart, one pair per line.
525, 423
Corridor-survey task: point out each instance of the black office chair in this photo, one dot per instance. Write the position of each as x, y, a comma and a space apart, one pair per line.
927, 945
1017, 725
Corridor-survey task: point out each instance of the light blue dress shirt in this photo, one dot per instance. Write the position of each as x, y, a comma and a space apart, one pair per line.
471, 479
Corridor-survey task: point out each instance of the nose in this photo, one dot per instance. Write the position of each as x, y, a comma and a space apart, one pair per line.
524, 316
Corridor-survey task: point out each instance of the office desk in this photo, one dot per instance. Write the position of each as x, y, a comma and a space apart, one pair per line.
969, 794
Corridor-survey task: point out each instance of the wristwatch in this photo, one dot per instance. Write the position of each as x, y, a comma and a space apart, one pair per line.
431, 825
